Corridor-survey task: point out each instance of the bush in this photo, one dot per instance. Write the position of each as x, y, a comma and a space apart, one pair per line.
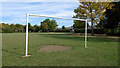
82, 30
63, 30
77, 30
99, 31
117, 31
113, 32
88, 30
96, 31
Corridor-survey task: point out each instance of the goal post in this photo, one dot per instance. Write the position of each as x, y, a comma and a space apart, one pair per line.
35, 15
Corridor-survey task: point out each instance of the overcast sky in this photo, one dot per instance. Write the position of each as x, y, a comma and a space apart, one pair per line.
15, 12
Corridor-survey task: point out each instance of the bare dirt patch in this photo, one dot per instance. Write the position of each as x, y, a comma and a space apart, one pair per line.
53, 48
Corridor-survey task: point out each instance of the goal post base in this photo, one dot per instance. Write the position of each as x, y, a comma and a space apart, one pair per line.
86, 47
26, 56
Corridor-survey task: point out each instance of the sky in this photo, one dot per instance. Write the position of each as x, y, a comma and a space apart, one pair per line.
15, 12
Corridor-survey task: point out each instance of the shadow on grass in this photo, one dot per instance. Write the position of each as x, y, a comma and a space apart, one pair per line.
70, 37
13, 52
53, 34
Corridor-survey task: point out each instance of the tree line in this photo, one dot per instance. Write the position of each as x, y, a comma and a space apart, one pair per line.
46, 25
6, 28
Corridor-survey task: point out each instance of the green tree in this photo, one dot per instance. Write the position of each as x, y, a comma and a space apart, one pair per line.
63, 27
44, 27
19, 28
12, 26
112, 18
92, 11
3, 27
30, 28
52, 24
37, 28
8, 29
79, 24
47, 21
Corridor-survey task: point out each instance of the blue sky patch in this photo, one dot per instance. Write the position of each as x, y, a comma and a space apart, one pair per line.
15, 12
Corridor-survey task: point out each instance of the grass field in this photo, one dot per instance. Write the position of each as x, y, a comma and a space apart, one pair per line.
100, 51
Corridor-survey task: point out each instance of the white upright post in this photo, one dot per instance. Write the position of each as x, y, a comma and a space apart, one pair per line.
26, 54
86, 34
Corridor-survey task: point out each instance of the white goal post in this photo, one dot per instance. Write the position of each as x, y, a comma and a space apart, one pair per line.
27, 15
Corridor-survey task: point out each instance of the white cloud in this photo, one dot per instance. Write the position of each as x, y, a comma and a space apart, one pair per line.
17, 11
21, 10
15, 21
6, 22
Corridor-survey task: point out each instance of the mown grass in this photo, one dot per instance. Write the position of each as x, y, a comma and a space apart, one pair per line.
100, 51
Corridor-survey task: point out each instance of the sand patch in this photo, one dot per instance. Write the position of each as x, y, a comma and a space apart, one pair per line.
53, 48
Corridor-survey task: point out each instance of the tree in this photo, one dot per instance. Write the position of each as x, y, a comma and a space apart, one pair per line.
92, 11
19, 28
3, 27
47, 21
79, 24
37, 28
30, 28
7, 29
112, 18
52, 24
63, 27
12, 26
44, 27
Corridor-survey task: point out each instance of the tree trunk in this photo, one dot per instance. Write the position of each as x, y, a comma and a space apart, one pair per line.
92, 30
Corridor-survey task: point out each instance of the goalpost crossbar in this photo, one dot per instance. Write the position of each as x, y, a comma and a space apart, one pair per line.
55, 17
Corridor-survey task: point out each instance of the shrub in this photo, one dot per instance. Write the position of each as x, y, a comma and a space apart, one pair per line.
113, 32
99, 31
63, 30
96, 31
77, 30
117, 31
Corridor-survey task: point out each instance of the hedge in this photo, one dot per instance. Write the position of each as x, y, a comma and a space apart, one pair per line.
113, 32
63, 30
97, 31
